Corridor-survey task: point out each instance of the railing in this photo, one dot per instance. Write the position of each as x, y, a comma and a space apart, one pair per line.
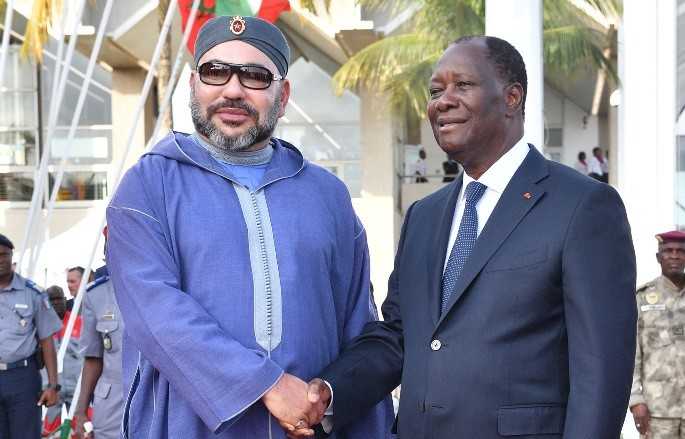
413, 187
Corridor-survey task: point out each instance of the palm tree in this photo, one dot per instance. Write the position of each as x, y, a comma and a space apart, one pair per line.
164, 67
400, 64
43, 13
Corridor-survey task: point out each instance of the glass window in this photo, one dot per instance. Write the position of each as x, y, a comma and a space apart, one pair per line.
680, 144
680, 183
555, 137
89, 146
18, 128
18, 148
97, 108
82, 185
20, 124
18, 109
323, 126
15, 186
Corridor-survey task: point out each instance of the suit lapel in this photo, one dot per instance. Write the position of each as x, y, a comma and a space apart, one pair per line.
520, 195
436, 260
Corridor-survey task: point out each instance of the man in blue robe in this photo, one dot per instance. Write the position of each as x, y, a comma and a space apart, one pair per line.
240, 268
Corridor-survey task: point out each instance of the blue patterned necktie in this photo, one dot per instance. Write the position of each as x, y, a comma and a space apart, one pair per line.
466, 239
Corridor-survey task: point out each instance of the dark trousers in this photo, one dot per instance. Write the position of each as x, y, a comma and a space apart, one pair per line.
19, 393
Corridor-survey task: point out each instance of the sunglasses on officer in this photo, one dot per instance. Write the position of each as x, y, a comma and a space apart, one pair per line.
250, 76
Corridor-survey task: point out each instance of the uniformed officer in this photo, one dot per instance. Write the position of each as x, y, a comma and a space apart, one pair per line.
71, 366
26, 320
657, 400
101, 378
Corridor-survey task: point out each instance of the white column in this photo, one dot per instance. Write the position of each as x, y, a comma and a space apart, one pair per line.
647, 117
376, 206
520, 23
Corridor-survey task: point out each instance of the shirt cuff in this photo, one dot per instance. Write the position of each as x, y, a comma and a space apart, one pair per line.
635, 399
327, 421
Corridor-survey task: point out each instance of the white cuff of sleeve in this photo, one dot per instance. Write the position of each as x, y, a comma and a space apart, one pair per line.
327, 421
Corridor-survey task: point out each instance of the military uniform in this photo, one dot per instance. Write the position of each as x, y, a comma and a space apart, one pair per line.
659, 376
102, 334
26, 316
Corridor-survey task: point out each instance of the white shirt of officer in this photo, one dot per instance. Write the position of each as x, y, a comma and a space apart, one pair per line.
25, 317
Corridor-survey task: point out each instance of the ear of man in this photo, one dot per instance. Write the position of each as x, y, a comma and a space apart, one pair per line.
513, 98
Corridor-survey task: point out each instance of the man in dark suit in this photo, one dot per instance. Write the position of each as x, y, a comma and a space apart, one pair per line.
510, 310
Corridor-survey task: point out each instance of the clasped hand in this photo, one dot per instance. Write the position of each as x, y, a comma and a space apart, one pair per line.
296, 405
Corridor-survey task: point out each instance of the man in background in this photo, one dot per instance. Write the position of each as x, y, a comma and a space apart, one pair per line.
71, 367
103, 330
27, 321
74, 278
598, 165
657, 399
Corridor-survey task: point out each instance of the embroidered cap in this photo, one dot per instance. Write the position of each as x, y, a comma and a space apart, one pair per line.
254, 31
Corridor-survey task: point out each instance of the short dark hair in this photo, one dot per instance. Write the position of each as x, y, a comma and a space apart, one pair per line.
507, 61
596, 149
55, 289
77, 268
581, 155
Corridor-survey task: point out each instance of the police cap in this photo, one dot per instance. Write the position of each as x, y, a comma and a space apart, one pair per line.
4, 241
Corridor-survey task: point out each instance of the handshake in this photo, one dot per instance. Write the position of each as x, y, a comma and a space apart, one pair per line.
296, 405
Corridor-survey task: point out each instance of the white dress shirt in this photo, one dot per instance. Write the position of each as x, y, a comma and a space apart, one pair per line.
594, 166
496, 178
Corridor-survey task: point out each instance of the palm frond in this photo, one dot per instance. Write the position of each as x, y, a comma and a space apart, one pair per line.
612, 9
375, 66
391, 7
408, 91
37, 28
570, 48
447, 20
400, 65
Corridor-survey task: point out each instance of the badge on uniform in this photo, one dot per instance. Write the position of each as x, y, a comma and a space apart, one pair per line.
656, 307
107, 342
109, 315
22, 319
652, 297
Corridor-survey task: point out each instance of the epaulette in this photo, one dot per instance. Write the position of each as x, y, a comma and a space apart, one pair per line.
97, 282
645, 286
32, 285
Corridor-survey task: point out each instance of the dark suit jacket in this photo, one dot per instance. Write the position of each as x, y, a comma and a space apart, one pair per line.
539, 337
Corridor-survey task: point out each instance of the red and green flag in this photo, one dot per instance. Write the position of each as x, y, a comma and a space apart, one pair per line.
268, 10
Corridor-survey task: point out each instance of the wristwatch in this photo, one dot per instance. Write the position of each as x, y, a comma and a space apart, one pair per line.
57, 387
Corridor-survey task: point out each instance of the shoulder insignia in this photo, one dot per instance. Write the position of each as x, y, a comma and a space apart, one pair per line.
32, 285
646, 286
97, 282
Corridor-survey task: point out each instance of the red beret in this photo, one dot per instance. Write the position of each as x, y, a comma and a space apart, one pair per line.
673, 235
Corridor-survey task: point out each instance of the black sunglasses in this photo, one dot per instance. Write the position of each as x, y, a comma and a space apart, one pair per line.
250, 76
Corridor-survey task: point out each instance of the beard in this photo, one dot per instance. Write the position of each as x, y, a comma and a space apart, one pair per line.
255, 134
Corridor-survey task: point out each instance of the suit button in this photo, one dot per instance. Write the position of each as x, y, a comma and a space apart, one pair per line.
436, 345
